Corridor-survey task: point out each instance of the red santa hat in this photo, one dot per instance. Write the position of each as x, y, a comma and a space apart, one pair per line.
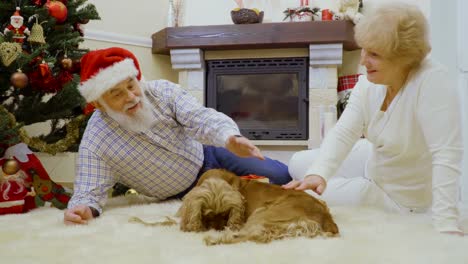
103, 69
16, 14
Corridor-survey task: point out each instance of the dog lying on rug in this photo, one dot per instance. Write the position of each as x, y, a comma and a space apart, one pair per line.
248, 210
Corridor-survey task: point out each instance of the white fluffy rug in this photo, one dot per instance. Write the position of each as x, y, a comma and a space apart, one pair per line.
367, 236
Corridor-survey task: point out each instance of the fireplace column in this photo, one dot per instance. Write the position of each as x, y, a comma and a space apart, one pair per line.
191, 66
324, 60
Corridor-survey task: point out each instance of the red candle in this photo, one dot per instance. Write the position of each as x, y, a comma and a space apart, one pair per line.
327, 14
302, 2
307, 2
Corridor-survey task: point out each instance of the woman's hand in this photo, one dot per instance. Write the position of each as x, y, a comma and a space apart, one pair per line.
243, 147
311, 182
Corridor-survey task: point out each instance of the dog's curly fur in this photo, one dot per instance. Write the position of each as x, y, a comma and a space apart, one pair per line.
252, 211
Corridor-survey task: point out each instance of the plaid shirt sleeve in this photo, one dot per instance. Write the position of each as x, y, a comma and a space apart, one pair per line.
93, 180
204, 124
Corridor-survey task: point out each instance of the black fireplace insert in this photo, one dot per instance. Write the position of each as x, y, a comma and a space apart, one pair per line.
267, 98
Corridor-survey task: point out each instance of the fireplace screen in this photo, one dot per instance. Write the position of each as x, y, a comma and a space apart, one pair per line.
267, 98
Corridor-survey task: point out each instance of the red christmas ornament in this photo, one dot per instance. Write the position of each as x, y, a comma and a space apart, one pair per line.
64, 77
19, 79
45, 69
57, 10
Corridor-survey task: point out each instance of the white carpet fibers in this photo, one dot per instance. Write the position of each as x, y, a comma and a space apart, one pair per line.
367, 236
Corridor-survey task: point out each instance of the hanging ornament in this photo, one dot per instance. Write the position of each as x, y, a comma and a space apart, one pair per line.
67, 63
57, 10
10, 167
37, 33
9, 52
44, 69
63, 77
19, 79
16, 27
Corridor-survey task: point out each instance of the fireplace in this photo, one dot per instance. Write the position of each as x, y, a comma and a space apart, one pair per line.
266, 97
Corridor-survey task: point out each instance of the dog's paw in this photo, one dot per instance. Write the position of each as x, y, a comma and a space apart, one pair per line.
192, 227
211, 241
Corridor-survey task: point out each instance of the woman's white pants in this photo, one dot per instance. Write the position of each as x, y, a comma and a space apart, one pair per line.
350, 185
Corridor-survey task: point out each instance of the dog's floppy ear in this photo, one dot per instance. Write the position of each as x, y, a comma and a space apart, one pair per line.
237, 213
191, 211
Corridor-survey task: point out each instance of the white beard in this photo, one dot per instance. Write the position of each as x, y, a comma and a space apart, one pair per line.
141, 121
16, 24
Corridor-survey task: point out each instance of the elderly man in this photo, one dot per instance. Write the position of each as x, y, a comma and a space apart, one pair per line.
151, 136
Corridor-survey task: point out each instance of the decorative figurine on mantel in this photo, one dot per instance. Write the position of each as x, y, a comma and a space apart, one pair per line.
349, 10
302, 13
241, 15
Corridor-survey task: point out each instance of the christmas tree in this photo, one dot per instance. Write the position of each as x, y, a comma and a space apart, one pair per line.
39, 72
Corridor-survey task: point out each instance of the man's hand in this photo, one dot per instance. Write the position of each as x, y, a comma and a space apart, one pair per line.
79, 214
242, 147
311, 182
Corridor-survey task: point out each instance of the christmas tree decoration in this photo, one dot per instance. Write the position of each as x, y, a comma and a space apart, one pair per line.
66, 62
51, 96
57, 10
16, 27
44, 191
19, 79
9, 52
37, 34
10, 167
45, 69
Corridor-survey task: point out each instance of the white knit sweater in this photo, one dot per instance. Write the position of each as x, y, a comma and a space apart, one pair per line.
417, 143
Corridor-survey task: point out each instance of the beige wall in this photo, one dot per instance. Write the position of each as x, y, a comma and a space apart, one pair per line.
130, 25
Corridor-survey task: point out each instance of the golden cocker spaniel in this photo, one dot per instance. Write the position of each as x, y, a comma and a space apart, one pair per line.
248, 210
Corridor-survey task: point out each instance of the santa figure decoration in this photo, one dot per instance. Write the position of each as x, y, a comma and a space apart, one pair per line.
46, 191
16, 26
13, 190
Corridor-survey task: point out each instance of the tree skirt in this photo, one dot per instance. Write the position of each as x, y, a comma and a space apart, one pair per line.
368, 235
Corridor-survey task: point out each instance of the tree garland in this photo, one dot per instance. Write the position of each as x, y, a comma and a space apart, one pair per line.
73, 133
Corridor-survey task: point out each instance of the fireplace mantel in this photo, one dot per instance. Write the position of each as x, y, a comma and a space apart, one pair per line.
255, 36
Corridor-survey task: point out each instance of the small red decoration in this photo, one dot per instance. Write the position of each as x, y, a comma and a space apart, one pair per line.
89, 109
57, 10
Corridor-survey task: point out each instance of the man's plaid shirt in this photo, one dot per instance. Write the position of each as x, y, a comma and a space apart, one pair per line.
160, 162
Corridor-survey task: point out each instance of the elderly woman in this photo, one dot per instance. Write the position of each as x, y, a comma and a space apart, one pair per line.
410, 117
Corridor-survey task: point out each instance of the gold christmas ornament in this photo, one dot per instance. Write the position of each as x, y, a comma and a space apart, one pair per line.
10, 167
130, 192
67, 63
37, 34
9, 52
19, 79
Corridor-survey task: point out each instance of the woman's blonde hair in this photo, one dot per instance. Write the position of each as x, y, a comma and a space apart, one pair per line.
396, 31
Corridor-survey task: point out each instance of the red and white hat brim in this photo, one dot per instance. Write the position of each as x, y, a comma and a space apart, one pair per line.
107, 78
